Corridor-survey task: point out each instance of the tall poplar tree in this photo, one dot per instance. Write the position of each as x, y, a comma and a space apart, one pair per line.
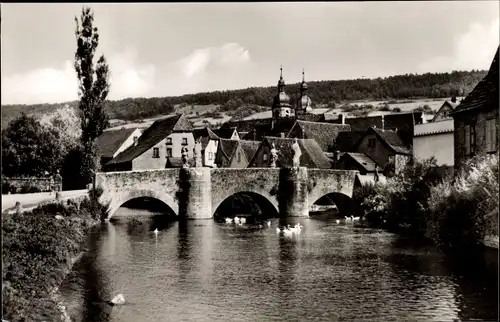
93, 81
93, 78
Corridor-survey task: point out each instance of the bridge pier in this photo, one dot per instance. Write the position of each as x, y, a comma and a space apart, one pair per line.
294, 193
196, 196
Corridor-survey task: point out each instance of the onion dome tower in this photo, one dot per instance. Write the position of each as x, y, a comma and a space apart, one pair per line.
304, 104
282, 109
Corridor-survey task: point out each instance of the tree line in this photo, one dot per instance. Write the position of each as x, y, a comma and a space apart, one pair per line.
409, 86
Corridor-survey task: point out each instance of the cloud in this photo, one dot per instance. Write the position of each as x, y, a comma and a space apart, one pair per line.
60, 84
472, 50
45, 85
227, 55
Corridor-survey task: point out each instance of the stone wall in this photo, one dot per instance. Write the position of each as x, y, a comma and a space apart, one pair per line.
30, 185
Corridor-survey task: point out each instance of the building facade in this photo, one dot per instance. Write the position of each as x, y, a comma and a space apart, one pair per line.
435, 139
476, 119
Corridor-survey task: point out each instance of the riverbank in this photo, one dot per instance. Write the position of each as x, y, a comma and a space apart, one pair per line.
452, 212
40, 248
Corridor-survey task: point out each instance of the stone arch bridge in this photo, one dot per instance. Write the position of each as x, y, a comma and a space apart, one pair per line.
196, 193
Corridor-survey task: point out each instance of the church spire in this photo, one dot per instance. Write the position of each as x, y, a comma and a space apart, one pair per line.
281, 82
303, 85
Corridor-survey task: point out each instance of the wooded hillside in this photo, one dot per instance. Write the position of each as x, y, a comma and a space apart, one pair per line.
429, 85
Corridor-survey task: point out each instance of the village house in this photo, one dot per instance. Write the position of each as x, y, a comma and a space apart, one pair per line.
235, 153
312, 155
209, 144
162, 141
385, 148
476, 119
112, 142
443, 113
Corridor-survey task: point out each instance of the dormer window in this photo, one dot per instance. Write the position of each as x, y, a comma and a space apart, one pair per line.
169, 141
184, 141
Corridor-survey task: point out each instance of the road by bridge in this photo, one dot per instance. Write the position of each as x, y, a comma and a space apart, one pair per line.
196, 193
31, 200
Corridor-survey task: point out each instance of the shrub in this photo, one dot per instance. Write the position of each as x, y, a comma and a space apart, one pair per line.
37, 249
426, 202
396, 110
384, 108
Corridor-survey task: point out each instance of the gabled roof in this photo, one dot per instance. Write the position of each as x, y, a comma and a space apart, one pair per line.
362, 160
347, 141
204, 135
391, 139
226, 150
403, 122
434, 128
446, 105
249, 147
110, 141
485, 94
225, 133
323, 133
155, 133
312, 155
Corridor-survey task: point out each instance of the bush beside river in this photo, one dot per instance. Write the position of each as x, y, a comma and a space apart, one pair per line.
38, 252
430, 204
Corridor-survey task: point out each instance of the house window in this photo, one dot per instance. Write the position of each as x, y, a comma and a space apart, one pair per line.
239, 157
169, 141
264, 157
470, 139
184, 141
156, 153
491, 135
169, 152
371, 143
210, 155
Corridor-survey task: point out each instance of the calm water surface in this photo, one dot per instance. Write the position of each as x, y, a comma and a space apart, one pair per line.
207, 271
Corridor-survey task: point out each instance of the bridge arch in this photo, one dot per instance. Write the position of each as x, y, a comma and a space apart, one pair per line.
343, 201
125, 196
272, 200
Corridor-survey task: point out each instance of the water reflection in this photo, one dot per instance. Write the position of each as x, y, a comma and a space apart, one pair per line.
205, 271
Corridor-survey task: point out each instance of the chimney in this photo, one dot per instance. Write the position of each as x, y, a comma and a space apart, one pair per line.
282, 135
424, 120
341, 118
136, 139
453, 99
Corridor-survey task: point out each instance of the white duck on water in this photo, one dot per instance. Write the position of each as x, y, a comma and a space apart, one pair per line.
117, 300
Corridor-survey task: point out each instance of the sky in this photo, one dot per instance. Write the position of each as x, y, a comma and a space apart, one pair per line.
169, 49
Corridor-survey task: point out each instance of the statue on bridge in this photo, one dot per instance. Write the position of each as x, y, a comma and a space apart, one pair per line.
296, 154
185, 158
197, 154
274, 157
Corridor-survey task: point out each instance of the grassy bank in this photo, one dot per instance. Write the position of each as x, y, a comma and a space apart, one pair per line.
39, 249
426, 203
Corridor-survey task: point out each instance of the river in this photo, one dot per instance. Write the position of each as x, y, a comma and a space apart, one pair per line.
208, 271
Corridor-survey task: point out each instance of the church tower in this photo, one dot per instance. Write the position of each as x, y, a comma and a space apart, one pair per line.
282, 109
304, 103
